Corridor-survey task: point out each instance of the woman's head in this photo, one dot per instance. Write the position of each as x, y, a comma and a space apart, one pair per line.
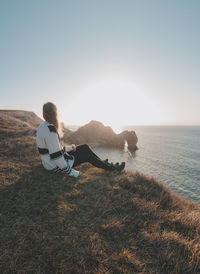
50, 115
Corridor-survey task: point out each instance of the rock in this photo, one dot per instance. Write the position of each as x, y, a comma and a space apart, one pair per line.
131, 138
96, 134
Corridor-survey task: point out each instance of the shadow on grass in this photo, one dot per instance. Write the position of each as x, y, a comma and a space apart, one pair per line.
55, 224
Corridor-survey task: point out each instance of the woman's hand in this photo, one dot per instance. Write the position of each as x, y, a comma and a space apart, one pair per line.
73, 147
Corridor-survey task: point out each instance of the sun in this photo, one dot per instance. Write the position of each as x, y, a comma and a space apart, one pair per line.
115, 102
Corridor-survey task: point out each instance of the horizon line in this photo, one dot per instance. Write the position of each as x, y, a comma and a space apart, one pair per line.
145, 125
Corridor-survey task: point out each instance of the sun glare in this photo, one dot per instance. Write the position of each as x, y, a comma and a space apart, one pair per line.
115, 102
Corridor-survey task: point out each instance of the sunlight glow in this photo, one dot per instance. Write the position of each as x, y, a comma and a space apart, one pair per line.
115, 102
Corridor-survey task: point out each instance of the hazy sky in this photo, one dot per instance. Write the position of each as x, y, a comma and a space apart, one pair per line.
117, 61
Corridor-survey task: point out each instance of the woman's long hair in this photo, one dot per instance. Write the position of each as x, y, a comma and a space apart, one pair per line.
50, 115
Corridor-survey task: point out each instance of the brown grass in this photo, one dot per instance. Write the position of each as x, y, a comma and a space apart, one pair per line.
99, 223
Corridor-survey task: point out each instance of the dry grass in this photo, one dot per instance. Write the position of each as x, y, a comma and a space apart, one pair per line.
99, 223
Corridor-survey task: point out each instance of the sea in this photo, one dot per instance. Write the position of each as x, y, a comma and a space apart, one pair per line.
170, 154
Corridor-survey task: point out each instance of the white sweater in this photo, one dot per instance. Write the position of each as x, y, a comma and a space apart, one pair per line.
52, 155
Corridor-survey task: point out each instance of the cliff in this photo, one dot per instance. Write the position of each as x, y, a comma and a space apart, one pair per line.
102, 222
96, 134
22, 116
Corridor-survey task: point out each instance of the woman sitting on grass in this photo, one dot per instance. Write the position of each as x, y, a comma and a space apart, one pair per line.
57, 159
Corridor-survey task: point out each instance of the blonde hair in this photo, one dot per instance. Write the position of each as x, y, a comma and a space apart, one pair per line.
50, 115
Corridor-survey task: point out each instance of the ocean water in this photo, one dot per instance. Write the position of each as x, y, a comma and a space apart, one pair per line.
170, 154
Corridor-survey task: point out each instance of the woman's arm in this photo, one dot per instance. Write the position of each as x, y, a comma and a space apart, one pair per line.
56, 154
70, 148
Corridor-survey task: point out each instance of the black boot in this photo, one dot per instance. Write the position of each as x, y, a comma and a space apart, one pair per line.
116, 166
120, 167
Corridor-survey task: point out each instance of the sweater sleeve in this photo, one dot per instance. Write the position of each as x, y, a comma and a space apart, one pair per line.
56, 154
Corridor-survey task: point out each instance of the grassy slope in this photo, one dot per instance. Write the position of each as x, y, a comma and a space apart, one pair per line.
100, 223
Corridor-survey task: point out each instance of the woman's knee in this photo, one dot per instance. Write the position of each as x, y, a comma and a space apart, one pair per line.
83, 147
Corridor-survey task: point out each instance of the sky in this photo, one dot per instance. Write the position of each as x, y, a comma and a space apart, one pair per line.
122, 62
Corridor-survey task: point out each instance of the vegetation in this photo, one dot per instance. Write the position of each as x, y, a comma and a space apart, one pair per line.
102, 222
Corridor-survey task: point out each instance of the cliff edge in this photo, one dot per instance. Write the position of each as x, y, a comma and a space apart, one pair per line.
102, 222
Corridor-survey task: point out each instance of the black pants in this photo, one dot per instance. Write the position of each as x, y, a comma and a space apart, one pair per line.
84, 154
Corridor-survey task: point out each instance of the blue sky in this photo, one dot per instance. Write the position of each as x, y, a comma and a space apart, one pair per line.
121, 62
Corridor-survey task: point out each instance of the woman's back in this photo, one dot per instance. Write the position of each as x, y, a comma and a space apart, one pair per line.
42, 132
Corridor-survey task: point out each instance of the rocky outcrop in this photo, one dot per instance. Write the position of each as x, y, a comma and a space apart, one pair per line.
96, 134
130, 137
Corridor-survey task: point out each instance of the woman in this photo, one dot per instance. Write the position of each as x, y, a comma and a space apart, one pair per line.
57, 159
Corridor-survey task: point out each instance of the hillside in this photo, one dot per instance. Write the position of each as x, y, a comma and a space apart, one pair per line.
102, 222
22, 115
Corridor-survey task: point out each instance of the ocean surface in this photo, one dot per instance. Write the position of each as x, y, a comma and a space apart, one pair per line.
170, 154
